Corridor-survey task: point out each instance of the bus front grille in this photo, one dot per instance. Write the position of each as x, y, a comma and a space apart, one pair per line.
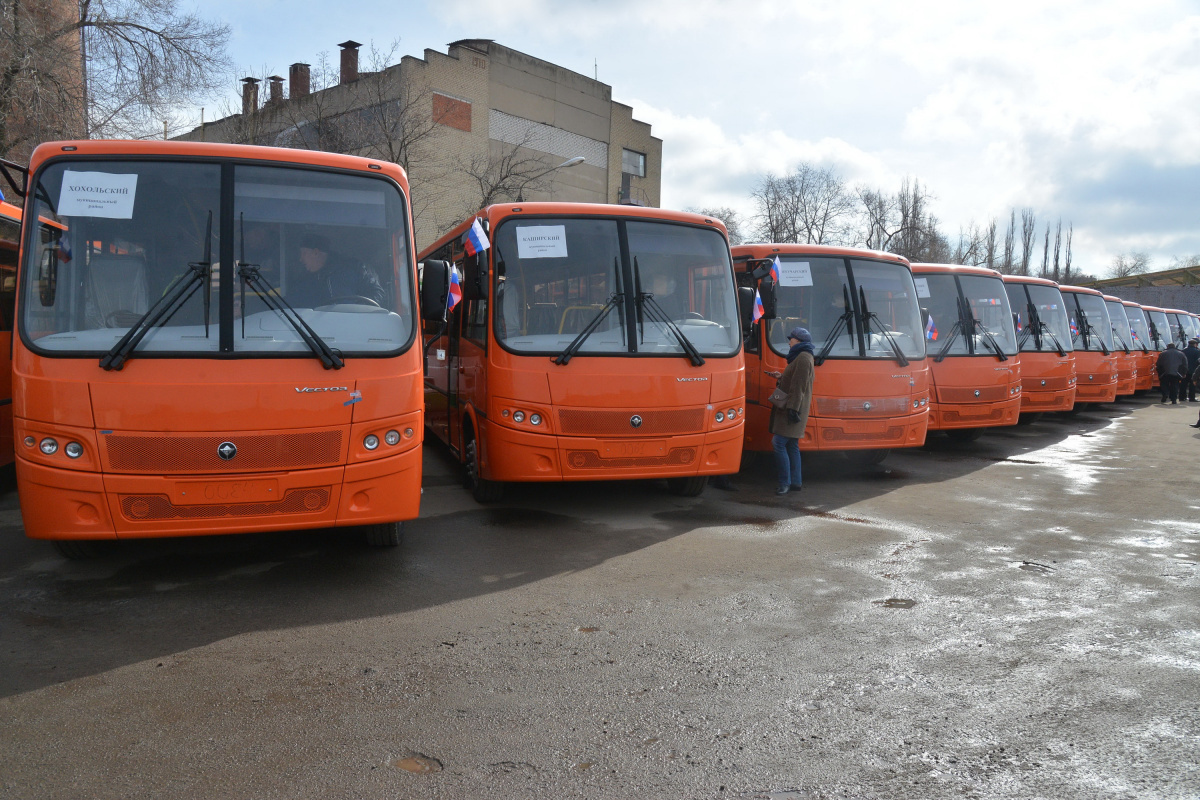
590, 459
987, 394
606, 422
863, 406
145, 507
167, 454
1054, 384
894, 433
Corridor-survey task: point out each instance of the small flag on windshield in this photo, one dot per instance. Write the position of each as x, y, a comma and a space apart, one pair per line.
758, 307
931, 330
775, 271
455, 294
1074, 327
64, 249
476, 240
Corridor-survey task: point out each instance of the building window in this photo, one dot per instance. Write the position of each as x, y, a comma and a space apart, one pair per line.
633, 163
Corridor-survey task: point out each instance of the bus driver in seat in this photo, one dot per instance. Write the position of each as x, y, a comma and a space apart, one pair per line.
327, 277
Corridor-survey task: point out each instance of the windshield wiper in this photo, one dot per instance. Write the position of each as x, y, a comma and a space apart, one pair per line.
570, 350
868, 316
647, 301
836, 331
955, 330
990, 338
173, 298
1087, 328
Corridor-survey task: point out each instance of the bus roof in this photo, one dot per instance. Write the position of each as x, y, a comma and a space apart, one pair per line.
497, 211
1112, 298
122, 147
1080, 290
1029, 279
762, 249
1132, 304
956, 269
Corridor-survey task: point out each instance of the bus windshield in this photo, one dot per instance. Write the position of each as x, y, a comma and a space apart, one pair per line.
1122, 333
1090, 328
983, 328
1139, 329
812, 293
559, 277
1160, 335
333, 246
1048, 302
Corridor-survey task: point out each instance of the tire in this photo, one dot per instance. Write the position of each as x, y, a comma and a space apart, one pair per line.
964, 434
1029, 418
866, 458
384, 534
79, 549
687, 487
483, 490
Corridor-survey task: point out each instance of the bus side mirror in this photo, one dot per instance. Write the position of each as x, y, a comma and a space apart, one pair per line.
435, 290
766, 290
746, 306
475, 275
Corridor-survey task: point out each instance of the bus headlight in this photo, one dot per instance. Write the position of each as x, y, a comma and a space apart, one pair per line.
730, 414
408, 433
518, 416
535, 419
30, 441
371, 441
720, 416
392, 437
49, 446
73, 449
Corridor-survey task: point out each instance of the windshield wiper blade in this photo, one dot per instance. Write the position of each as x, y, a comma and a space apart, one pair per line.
990, 338
250, 276
868, 316
836, 331
647, 301
570, 350
955, 330
173, 298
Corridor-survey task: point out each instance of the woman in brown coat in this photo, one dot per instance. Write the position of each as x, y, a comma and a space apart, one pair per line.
787, 424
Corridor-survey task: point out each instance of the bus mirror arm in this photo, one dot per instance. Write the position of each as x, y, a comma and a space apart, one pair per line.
7, 168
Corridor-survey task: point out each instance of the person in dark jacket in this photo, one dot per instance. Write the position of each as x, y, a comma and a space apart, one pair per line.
326, 277
1172, 370
1192, 351
787, 424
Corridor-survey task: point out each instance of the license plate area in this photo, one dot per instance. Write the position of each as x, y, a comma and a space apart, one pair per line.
634, 448
195, 493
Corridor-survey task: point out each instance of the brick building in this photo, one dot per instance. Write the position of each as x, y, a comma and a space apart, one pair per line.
459, 119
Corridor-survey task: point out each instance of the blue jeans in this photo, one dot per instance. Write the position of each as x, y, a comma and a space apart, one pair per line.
787, 460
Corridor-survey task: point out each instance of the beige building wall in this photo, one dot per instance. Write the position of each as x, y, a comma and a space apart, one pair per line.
488, 104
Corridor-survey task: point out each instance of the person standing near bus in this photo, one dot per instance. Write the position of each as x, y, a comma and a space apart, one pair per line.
787, 424
1172, 370
1192, 351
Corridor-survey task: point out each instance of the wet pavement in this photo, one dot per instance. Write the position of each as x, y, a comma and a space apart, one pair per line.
1013, 617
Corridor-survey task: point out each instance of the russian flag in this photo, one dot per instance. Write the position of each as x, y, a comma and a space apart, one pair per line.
775, 271
1074, 327
931, 330
1020, 326
455, 294
64, 249
476, 241
758, 307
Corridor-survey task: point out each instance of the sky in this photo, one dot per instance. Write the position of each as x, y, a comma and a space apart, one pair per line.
1088, 112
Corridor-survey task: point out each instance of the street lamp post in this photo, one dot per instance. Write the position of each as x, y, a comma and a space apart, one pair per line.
570, 162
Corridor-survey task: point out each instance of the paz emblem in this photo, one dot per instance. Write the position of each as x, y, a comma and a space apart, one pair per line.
636, 421
226, 450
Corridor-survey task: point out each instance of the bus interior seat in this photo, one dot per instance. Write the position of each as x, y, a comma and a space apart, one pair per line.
118, 291
576, 318
543, 318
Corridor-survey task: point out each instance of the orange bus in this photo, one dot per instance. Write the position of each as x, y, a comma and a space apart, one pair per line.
1147, 356
593, 342
10, 242
974, 366
1123, 348
215, 339
1044, 339
1091, 333
871, 386
1178, 320
1160, 336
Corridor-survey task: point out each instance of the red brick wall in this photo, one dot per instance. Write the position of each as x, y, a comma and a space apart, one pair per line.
451, 113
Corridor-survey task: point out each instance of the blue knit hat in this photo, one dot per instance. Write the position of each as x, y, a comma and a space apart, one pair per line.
800, 334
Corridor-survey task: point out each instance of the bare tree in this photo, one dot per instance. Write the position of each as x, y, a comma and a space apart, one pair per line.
728, 216
1028, 231
989, 245
1183, 262
878, 212
1066, 276
1045, 272
1127, 264
41, 94
809, 205
1009, 235
505, 172
901, 223
1057, 247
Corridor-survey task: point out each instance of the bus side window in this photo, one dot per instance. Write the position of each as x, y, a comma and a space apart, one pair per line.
475, 321
10, 234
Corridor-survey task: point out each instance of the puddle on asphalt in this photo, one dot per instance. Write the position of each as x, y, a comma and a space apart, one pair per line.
419, 765
895, 602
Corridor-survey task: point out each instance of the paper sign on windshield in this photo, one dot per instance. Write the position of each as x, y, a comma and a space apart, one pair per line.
542, 241
795, 273
922, 287
97, 194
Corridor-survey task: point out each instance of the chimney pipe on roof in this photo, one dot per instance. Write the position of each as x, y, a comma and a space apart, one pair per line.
249, 95
276, 95
297, 81
350, 60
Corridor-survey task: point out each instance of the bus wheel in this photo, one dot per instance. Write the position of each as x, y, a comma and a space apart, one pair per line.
866, 458
1029, 418
964, 434
688, 487
79, 549
483, 490
385, 534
